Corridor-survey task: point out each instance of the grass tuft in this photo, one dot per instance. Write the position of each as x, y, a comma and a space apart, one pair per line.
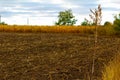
112, 71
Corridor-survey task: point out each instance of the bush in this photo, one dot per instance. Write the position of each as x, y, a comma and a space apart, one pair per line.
3, 23
117, 23
108, 28
107, 23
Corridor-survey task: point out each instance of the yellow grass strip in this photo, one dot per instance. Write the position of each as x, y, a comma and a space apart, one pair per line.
112, 71
56, 29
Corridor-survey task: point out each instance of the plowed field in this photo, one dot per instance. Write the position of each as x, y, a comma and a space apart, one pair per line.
54, 56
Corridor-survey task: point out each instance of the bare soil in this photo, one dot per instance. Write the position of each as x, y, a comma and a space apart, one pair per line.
54, 56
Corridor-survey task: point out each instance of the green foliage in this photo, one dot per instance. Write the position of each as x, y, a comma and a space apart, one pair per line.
117, 23
86, 23
107, 29
107, 24
3, 23
66, 18
110, 30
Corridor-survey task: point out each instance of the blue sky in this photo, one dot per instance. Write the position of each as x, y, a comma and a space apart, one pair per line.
45, 12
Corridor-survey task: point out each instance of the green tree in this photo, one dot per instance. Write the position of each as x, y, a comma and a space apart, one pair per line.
116, 22
107, 24
86, 23
66, 18
108, 28
3, 23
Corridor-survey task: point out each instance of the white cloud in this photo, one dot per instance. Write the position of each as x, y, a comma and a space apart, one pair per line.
110, 3
69, 6
14, 20
64, 4
42, 21
109, 16
33, 20
110, 8
37, 0
57, 1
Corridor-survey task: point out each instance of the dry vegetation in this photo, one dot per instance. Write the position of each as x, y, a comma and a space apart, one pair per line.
112, 70
55, 29
107, 30
53, 56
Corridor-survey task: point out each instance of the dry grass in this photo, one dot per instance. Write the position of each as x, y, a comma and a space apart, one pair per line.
107, 30
57, 29
112, 71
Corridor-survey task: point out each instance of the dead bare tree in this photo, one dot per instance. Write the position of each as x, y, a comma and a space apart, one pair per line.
96, 17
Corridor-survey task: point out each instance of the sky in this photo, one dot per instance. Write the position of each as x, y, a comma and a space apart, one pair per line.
45, 12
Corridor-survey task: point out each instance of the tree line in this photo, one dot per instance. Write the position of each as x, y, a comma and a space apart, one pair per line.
68, 19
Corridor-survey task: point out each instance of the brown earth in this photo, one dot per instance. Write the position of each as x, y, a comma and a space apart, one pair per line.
54, 56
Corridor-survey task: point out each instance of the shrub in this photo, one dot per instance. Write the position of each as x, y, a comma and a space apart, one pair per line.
117, 23
107, 23
3, 23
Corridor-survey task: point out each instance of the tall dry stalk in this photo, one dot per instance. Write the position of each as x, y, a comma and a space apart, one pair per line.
96, 16
95, 50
